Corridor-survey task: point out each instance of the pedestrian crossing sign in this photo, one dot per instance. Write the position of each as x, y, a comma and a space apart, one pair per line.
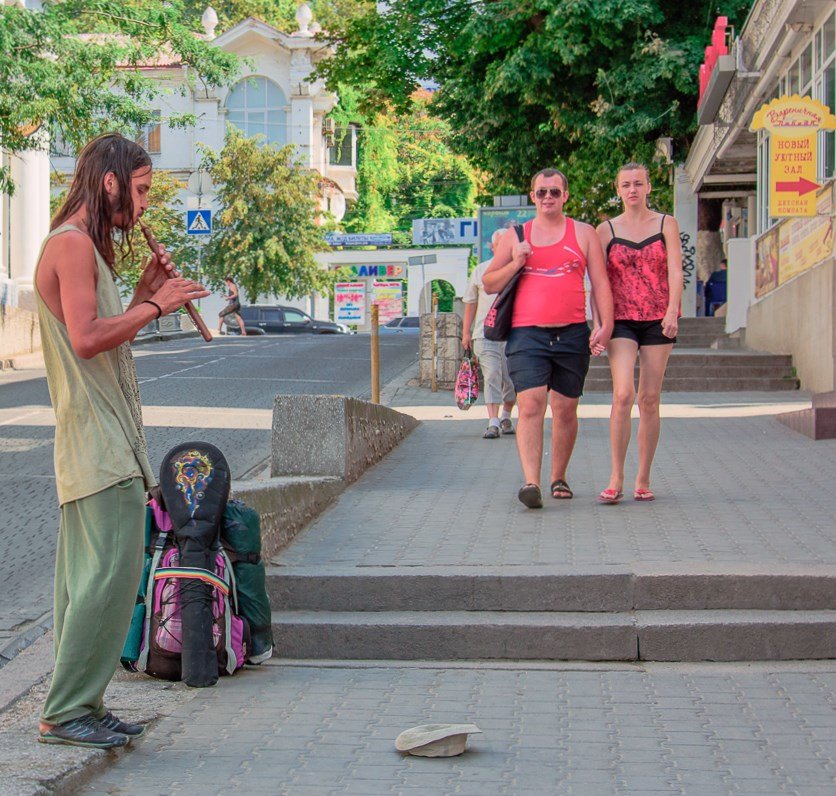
199, 222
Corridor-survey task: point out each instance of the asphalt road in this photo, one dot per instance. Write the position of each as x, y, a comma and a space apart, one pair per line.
220, 393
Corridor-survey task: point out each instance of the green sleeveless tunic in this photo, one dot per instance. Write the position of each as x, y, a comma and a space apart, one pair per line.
99, 440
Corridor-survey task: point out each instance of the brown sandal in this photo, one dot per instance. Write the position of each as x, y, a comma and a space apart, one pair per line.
561, 491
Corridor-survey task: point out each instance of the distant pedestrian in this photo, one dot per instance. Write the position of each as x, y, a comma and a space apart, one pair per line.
233, 306
715, 288
101, 460
491, 354
550, 342
644, 266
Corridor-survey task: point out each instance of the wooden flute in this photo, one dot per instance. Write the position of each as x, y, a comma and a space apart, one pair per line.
190, 308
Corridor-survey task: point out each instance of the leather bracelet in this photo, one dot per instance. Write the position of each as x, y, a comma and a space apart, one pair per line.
154, 304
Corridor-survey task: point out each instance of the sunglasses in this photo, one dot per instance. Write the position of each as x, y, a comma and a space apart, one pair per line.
542, 193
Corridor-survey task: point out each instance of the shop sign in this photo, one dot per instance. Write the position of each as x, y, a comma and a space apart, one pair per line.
793, 124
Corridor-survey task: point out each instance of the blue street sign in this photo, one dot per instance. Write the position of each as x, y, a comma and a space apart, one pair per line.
359, 239
199, 222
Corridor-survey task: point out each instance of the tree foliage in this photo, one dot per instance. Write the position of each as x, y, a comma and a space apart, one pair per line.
166, 218
580, 84
266, 231
279, 13
406, 168
72, 68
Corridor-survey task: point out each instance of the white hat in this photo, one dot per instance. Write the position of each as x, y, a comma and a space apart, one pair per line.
435, 740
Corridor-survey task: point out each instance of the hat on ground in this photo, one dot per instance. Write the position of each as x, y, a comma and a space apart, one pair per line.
435, 740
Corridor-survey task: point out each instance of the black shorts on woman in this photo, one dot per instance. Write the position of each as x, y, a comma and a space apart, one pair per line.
642, 333
556, 357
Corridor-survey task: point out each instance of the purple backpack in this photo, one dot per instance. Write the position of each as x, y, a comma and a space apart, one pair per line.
162, 637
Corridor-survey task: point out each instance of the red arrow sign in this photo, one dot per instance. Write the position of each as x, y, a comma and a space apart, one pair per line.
800, 186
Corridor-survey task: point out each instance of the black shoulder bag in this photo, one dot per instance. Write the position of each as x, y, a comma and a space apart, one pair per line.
498, 319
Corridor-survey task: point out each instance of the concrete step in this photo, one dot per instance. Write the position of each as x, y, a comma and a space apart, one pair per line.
710, 357
718, 370
503, 635
706, 384
553, 613
536, 589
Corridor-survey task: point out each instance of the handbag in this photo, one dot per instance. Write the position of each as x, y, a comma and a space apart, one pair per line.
467, 381
498, 320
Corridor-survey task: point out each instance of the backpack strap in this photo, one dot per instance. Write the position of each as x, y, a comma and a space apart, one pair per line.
232, 606
519, 229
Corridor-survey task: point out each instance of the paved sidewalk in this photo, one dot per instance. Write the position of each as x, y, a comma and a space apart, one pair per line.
737, 491
734, 487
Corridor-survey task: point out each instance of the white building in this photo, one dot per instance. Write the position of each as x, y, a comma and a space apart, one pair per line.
275, 95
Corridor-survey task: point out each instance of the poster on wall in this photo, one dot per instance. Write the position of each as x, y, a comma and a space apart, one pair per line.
493, 218
350, 302
806, 241
766, 264
389, 299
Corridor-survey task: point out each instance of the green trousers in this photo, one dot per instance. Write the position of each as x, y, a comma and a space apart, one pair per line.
97, 571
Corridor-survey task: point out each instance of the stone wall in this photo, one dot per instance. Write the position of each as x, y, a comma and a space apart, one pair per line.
797, 318
19, 331
449, 354
332, 435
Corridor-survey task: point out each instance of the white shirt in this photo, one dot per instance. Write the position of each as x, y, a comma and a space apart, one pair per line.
475, 293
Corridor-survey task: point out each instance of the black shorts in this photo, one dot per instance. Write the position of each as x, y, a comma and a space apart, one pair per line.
229, 309
556, 357
641, 332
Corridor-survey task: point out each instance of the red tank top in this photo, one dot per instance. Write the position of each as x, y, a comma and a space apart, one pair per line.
638, 274
551, 291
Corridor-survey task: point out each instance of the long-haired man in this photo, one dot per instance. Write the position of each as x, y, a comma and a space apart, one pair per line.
102, 470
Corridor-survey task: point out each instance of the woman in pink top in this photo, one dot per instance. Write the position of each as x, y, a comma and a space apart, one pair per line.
644, 266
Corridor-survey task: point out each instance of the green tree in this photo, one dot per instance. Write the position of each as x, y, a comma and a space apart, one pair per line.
406, 168
166, 218
279, 13
524, 84
266, 230
60, 70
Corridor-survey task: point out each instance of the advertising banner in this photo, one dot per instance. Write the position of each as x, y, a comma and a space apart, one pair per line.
494, 218
389, 299
806, 241
350, 302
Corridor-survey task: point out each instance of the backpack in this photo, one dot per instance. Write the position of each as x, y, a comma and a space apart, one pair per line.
467, 381
161, 642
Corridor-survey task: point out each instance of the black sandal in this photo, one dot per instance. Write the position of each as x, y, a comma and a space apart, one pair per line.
561, 491
531, 496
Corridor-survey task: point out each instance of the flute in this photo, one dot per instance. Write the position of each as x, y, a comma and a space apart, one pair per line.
190, 308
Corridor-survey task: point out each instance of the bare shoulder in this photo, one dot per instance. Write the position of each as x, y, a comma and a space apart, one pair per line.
670, 224
584, 232
71, 251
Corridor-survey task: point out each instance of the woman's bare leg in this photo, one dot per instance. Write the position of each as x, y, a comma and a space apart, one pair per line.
652, 364
622, 355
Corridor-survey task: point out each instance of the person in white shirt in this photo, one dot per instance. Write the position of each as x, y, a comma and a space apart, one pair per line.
491, 355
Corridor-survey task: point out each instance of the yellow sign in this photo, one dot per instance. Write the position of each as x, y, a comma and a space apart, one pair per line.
793, 124
806, 241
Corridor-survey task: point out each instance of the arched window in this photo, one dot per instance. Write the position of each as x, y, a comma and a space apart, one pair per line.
257, 106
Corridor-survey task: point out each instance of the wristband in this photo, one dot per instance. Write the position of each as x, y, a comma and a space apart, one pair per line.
155, 305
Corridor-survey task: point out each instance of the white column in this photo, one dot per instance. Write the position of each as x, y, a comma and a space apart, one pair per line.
28, 218
685, 211
301, 127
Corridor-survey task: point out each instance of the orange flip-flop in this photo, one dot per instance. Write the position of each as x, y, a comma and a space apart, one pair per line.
643, 495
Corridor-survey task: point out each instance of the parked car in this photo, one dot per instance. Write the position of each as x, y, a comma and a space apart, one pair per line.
275, 319
408, 324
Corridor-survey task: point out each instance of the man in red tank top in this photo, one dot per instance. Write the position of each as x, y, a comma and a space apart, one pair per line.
550, 343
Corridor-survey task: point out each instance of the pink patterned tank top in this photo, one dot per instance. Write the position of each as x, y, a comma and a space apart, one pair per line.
638, 274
